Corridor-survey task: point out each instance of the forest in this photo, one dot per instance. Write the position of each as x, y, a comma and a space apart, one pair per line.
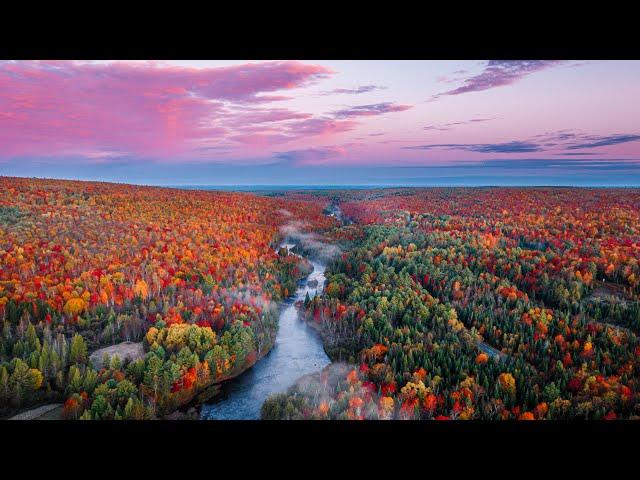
192, 278
478, 303
442, 303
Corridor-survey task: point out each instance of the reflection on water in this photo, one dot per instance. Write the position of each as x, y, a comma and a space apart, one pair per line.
297, 351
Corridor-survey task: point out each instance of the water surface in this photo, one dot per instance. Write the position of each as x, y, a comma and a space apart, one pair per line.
297, 351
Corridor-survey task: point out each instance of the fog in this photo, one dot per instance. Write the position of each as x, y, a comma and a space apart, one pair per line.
309, 242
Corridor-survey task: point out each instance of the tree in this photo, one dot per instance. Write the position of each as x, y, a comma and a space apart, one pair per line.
99, 407
75, 379
141, 289
78, 350
153, 375
74, 306
507, 382
33, 343
4, 384
24, 380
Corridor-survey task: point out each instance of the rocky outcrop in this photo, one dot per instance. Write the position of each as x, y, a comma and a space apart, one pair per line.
125, 351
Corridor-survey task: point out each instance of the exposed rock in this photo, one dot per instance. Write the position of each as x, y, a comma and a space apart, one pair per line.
607, 292
191, 414
209, 393
45, 412
126, 351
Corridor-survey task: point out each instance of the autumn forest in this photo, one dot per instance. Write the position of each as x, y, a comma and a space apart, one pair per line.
124, 302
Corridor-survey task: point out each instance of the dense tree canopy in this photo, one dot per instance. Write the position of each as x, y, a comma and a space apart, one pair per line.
481, 304
193, 274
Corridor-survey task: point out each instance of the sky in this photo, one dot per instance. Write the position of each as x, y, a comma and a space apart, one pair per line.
323, 122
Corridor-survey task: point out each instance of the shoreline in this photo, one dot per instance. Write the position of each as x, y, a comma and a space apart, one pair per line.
192, 409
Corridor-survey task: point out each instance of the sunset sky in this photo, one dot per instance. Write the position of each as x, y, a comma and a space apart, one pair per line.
323, 122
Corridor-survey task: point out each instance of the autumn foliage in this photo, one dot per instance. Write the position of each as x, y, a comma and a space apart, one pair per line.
194, 274
486, 303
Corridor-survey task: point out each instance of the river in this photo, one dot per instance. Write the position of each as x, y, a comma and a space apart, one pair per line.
297, 351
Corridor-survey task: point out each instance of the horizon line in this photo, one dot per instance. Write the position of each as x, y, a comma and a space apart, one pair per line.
213, 186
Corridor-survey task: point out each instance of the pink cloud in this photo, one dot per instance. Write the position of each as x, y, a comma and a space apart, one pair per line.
292, 131
137, 109
371, 110
260, 116
354, 91
499, 73
321, 126
313, 156
262, 138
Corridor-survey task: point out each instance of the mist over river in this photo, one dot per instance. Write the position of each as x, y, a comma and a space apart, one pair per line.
297, 351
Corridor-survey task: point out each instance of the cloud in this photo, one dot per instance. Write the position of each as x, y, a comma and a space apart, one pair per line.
447, 126
605, 141
509, 147
321, 126
499, 73
142, 109
572, 140
311, 156
354, 91
259, 116
265, 135
261, 138
558, 136
577, 154
317, 155
436, 127
563, 163
455, 77
554, 141
371, 110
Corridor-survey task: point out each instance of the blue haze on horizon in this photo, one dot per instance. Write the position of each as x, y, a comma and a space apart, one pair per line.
498, 173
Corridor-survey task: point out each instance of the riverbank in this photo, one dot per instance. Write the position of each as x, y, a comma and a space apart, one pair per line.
335, 354
191, 407
298, 350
